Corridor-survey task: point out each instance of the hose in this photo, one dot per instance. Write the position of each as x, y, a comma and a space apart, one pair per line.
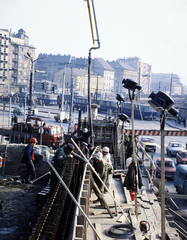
121, 231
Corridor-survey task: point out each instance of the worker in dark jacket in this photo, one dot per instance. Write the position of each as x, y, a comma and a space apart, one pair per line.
100, 167
28, 158
129, 147
62, 157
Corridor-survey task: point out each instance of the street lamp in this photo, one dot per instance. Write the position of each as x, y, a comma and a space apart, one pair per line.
25, 106
163, 104
132, 85
9, 119
31, 80
10, 94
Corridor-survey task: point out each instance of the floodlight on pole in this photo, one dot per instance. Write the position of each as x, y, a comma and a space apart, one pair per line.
132, 86
163, 104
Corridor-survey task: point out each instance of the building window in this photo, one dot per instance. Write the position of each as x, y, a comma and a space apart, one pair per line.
20, 72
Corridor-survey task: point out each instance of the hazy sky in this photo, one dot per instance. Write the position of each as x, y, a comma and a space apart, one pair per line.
153, 30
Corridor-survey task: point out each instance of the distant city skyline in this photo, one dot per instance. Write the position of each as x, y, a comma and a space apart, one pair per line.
153, 31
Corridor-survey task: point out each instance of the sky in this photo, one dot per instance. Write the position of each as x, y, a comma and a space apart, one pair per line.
153, 30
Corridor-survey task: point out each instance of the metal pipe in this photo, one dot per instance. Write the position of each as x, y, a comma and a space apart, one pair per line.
89, 62
41, 176
72, 197
93, 169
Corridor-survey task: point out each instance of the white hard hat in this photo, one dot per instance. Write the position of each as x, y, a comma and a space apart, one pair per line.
85, 130
99, 156
106, 149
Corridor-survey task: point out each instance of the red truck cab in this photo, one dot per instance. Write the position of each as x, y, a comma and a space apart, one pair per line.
52, 136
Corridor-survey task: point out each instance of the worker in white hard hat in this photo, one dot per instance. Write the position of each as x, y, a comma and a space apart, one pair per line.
100, 168
84, 135
106, 157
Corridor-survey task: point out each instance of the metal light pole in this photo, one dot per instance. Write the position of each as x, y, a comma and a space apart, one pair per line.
162, 104
133, 143
9, 119
132, 85
162, 124
25, 106
71, 105
31, 80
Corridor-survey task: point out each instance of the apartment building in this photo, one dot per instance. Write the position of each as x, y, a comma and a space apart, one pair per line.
143, 74
4, 55
15, 68
80, 81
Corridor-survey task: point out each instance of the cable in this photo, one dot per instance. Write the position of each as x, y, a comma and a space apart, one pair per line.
121, 231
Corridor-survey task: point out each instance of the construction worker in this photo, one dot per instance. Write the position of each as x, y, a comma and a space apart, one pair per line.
85, 135
62, 157
28, 158
129, 147
15, 118
106, 157
100, 168
91, 149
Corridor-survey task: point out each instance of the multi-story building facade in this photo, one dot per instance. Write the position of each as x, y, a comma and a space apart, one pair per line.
15, 67
80, 81
122, 70
143, 74
105, 70
4, 55
168, 83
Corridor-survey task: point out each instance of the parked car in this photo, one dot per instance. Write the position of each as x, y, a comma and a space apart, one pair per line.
149, 143
169, 168
57, 118
18, 111
181, 157
173, 148
180, 180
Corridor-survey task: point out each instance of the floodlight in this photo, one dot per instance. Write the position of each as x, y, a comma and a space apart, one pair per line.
123, 117
131, 84
120, 97
161, 101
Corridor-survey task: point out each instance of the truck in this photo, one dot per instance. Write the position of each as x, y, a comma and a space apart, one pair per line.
51, 136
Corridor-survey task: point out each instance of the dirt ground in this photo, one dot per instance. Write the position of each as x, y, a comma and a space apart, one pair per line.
19, 208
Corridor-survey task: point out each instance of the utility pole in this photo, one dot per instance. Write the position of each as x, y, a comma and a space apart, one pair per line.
97, 88
171, 84
71, 104
139, 79
31, 80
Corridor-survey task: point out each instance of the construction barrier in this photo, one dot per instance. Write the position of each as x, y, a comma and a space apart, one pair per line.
157, 132
1, 162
